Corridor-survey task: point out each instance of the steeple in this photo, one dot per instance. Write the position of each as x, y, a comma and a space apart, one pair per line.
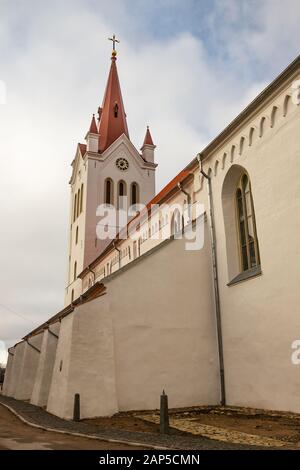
148, 139
93, 126
92, 136
113, 118
148, 147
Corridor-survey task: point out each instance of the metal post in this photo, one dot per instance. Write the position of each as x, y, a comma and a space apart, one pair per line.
76, 413
164, 414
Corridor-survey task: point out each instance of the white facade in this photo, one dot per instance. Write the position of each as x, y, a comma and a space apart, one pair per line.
90, 173
153, 326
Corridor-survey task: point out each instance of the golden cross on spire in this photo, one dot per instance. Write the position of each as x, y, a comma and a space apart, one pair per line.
114, 40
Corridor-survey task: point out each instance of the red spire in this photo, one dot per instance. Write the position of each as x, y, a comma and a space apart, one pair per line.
93, 126
113, 118
148, 139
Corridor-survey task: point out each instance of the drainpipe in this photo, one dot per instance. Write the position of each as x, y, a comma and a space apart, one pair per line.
216, 281
119, 251
33, 347
52, 333
188, 199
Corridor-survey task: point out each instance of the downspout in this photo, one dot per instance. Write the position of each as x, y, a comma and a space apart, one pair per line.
33, 347
188, 198
216, 281
52, 333
119, 251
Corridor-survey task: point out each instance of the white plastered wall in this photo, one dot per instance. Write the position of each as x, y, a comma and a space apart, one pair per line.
27, 367
43, 377
261, 315
164, 329
85, 352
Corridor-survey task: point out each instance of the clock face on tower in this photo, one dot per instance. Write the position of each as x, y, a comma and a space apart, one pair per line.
122, 164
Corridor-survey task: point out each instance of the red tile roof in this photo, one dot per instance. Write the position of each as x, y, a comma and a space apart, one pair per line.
136, 220
168, 188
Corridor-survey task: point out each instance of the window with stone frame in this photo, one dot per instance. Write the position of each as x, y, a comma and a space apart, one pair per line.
247, 235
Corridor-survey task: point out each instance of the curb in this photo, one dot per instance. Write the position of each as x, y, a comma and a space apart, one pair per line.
78, 434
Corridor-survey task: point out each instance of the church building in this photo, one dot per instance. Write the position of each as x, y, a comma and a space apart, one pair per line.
216, 323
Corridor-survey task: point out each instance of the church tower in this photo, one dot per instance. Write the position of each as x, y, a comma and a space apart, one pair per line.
106, 167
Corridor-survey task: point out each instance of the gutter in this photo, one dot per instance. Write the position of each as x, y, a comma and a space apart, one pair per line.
188, 199
216, 281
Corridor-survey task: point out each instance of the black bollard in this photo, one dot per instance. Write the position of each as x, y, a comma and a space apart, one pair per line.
164, 414
76, 413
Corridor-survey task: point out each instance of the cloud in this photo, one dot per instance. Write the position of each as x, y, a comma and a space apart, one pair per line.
186, 69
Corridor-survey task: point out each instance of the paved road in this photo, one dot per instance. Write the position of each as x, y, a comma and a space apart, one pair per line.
15, 435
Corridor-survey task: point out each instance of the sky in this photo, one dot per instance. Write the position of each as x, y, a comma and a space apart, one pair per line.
187, 68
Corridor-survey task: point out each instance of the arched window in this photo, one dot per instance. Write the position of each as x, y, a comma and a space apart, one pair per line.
76, 237
134, 194
81, 198
122, 192
176, 222
242, 247
78, 203
134, 250
249, 251
75, 271
75, 208
108, 196
122, 188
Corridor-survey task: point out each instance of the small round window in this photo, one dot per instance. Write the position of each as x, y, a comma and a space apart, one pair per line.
122, 164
